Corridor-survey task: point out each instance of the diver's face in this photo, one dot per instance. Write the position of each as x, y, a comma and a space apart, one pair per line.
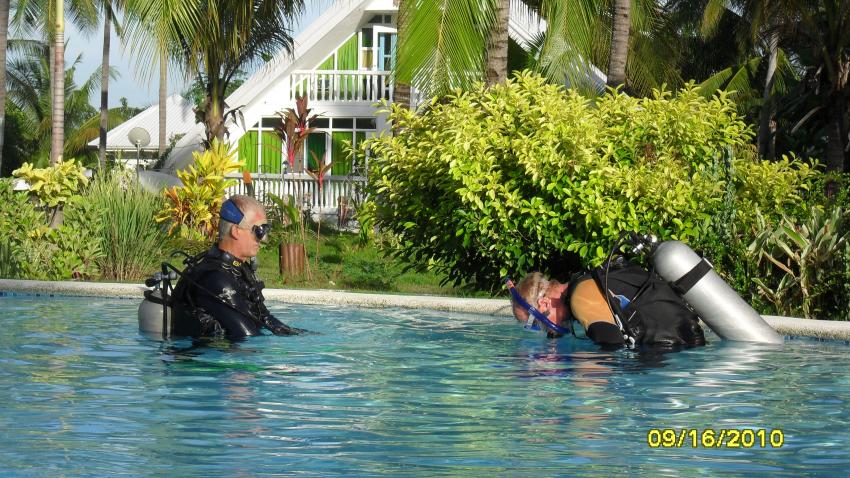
551, 303
247, 243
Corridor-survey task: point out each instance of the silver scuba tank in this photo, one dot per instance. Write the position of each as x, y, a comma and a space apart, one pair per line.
151, 314
728, 315
156, 319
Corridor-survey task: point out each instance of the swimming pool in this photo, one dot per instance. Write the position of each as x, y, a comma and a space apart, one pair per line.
398, 393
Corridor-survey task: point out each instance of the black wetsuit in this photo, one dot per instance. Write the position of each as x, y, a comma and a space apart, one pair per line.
665, 322
220, 295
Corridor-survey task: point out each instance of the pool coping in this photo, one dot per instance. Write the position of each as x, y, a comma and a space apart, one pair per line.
821, 329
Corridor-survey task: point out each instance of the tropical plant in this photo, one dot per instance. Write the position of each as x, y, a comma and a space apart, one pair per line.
4, 34
527, 176
53, 186
450, 44
294, 128
29, 88
192, 209
319, 176
216, 40
288, 216
803, 264
131, 240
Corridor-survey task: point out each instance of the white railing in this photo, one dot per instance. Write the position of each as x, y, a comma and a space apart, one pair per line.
303, 188
341, 85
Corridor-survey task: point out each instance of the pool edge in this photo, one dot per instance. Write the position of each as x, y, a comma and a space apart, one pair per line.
821, 329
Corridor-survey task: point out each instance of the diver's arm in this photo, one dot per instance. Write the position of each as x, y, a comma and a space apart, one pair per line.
219, 286
272, 323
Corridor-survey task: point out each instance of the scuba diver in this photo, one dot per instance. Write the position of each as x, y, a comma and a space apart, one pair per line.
219, 293
641, 308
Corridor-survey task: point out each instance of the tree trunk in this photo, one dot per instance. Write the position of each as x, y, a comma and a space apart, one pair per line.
163, 97
836, 142
401, 91
4, 31
104, 85
57, 140
766, 137
496, 70
214, 114
619, 43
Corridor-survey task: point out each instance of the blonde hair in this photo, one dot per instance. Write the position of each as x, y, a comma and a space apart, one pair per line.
532, 288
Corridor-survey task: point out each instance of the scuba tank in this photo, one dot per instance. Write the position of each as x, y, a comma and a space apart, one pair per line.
695, 280
156, 318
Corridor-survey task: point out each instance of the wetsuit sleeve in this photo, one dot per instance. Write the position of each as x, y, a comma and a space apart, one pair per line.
219, 286
272, 323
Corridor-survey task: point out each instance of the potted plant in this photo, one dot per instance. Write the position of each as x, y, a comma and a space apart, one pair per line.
293, 254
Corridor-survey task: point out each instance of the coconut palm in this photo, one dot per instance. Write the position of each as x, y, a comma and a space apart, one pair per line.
216, 41
151, 32
47, 17
448, 42
29, 87
4, 32
108, 10
620, 26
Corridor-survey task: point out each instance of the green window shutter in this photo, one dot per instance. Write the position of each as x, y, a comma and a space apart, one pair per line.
327, 64
272, 152
315, 145
341, 160
359, 137
248, 150
347, 60
347, 54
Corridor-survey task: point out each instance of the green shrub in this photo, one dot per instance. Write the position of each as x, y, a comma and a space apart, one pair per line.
525, 176
802, 265
130, 239
18, 219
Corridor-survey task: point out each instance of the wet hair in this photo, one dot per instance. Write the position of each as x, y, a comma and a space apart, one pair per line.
532, 288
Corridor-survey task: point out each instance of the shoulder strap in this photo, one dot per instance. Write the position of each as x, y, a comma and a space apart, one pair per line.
614, 306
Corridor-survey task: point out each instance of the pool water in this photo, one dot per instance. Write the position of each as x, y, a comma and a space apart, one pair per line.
398, 393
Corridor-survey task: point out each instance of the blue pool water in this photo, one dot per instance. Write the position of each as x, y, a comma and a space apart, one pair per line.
397, 393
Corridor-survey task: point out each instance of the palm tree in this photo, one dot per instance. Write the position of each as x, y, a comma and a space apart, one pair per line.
767, 20
30, 88
620, 26
401, 89
496, 70
48, 18
4, 32
108, 19
821, 40
217, 40
448, 41
151, 27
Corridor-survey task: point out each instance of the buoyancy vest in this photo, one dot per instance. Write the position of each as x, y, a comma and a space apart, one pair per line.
650, 311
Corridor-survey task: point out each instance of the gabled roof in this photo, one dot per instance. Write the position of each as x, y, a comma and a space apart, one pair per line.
335, 25
179, 118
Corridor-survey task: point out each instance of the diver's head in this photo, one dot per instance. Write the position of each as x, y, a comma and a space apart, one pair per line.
543, 294
242, 227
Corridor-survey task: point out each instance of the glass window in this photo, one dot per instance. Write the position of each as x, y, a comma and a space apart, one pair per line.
315, 150
376, 19
366, 123
271, 122
367, 38
320, 123
343, 123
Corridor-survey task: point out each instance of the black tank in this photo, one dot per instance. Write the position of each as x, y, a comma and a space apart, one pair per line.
220, 295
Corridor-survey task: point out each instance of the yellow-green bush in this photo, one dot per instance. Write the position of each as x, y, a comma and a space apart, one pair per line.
526, 175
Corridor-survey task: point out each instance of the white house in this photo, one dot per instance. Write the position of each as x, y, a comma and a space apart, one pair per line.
342, 62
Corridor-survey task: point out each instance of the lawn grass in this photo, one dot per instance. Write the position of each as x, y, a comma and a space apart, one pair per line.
345, 264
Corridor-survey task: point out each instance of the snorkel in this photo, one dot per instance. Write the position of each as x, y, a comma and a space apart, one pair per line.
534, 315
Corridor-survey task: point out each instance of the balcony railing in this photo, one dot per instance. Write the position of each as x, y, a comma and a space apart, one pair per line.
341, 85
304, 189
